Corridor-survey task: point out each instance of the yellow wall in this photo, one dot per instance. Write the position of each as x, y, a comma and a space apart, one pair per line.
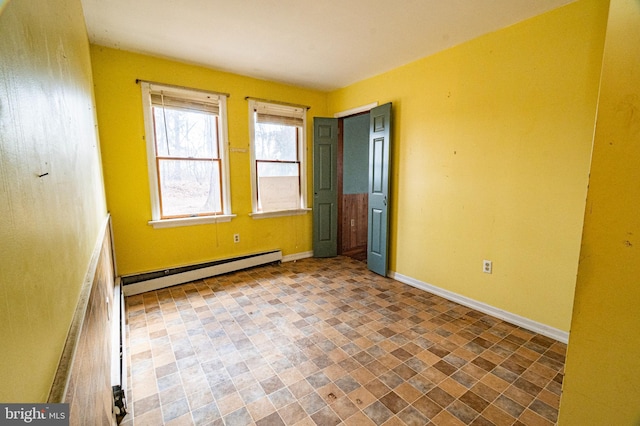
491, 160
141, 248
49, 225
602, 382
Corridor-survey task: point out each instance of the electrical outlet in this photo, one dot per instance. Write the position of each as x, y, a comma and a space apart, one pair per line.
487, 266
236, 238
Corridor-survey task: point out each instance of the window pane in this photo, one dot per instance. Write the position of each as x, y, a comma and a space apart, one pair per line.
182, 133
278, 186
276, 142
190, 187
277, 169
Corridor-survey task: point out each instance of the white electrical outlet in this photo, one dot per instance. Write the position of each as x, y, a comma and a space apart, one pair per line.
487, 266
236, 238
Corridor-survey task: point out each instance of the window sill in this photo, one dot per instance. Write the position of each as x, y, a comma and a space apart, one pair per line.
279, 213
188, 221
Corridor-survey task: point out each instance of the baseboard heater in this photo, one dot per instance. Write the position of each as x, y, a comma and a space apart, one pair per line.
140, 283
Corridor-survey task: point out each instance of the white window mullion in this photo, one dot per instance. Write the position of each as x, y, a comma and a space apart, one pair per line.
302, 158
224, 154
254, 176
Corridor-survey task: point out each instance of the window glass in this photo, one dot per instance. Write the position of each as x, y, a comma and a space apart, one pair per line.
189, 188
182, 133
276, 142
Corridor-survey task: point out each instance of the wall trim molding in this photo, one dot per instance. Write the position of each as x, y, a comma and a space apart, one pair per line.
297, 256
356, 110
536, 327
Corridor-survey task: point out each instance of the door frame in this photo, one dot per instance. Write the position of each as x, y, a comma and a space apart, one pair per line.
340, 179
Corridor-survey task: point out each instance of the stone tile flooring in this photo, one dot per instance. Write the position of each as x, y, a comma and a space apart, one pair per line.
326, 342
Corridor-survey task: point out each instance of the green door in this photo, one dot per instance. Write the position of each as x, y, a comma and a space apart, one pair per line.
325, 191
379, 155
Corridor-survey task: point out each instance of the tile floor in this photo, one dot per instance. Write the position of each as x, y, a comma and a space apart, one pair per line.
326, 342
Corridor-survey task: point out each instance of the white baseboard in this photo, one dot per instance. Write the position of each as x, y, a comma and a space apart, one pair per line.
297, 256
536, 327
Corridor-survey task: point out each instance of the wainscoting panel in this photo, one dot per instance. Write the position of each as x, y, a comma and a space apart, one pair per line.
83, 378
354, 223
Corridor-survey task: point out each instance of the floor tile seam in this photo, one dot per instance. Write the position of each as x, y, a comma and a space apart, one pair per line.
345, 395
533, 399
546, 381
524, 408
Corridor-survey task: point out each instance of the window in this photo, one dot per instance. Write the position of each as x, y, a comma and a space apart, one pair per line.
186, 147
278, 152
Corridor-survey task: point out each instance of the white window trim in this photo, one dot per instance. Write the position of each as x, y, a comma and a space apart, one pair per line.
279, 213
302, 149
187, 221
223, 148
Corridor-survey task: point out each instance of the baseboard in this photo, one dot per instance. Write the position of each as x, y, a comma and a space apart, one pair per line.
160, 279
536, 327
297, 256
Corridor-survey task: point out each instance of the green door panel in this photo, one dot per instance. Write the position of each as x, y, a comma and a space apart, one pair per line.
325, 191
379, 164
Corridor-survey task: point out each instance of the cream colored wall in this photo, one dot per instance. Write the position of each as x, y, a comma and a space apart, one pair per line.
49, 225
603, 360
139, 247
491, 160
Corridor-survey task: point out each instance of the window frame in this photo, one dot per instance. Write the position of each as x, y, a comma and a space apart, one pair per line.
157, 221
301, 150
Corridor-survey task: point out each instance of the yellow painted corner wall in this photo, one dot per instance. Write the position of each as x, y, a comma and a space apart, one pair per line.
492, 140
138, 246
52, 204
603, 358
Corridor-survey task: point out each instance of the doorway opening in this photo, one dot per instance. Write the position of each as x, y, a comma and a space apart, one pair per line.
352, 182
327, 229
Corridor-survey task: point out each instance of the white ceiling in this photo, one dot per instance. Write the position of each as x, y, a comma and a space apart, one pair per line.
320, 44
